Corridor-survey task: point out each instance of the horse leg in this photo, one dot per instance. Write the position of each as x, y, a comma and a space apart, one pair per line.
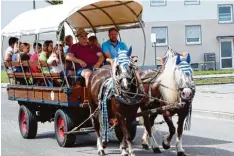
130, 149
96, 125
155, 148
180, 150
167, 138
148, 138
124, 143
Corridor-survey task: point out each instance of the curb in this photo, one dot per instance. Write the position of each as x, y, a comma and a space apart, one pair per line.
213, 76
4, 85
220, 83
213, 114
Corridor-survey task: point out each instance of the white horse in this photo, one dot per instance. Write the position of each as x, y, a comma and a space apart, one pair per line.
175, 85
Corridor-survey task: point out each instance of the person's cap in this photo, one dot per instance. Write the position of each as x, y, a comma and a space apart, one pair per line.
81, 31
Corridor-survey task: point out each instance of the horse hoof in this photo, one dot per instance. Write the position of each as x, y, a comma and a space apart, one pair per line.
181, 154
157, 150
145, 146
101, 153
104, 145
166, 147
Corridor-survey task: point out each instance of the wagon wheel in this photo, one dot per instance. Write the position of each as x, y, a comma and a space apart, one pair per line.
27, 122
132, 128
63, 123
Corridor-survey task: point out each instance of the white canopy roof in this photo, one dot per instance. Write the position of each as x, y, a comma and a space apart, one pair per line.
86, 15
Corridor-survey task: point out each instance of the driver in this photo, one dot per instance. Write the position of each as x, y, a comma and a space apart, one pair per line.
88, 57
111, 47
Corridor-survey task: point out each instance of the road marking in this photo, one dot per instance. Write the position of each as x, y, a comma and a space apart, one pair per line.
212, 118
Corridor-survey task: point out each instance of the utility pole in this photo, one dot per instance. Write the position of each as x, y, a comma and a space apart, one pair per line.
154, 41
34, 4
34, 7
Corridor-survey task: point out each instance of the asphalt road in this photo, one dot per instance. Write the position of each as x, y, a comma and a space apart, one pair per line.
208, 137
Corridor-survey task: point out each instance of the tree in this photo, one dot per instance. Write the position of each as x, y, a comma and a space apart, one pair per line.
55, 2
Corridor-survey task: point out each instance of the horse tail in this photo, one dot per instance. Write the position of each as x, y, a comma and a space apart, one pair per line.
188, 118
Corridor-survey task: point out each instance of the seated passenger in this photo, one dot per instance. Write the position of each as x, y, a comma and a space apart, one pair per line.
34, 57
68, 43
44, 55
88, 57
110, 48
21, 47
22, 56
93, 41
54, 60
9, 51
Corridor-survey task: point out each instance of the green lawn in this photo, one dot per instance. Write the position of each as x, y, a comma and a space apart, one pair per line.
4, 78
211, 81
231, 71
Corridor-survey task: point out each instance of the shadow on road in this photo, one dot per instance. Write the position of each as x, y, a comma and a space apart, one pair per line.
46, 135
193, 145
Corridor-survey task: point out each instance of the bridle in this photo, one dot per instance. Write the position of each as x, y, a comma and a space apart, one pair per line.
128, 96
187, 71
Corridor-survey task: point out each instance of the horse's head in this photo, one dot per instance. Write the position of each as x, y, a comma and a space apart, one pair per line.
122, 68
184, 77
177, 78
124, 73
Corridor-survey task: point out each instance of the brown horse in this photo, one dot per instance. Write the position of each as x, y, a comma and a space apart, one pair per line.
120, 85
174, 85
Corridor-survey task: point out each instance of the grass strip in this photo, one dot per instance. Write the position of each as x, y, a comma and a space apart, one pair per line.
231, 71
213, 81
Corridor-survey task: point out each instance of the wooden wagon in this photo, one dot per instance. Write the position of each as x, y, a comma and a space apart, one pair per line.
49, 96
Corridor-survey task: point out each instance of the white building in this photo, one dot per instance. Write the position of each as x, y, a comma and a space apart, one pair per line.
195, 26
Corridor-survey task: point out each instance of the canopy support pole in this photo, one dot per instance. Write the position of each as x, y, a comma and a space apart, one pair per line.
73, 64
141, 28
60, 57
36, 40
72, 31
3, 60
21, 64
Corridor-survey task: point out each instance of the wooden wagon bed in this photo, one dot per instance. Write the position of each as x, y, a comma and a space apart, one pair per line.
57, 95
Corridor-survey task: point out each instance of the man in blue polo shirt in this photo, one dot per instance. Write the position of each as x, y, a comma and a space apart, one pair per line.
111, 47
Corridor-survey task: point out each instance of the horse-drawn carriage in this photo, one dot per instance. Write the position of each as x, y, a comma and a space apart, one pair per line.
123, 88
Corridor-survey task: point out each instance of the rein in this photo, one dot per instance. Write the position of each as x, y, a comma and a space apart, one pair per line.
119, 92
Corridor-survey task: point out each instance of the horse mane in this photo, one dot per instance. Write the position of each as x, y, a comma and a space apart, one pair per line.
168, 88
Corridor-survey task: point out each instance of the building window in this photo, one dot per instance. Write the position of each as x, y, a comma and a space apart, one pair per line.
158, 2
191, 2
193, 34
161, 35
225, 13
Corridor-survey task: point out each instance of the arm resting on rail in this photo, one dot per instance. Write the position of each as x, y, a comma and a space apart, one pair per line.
71, 57
100, 60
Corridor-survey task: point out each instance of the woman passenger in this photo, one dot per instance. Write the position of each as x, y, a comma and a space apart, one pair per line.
44, 55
